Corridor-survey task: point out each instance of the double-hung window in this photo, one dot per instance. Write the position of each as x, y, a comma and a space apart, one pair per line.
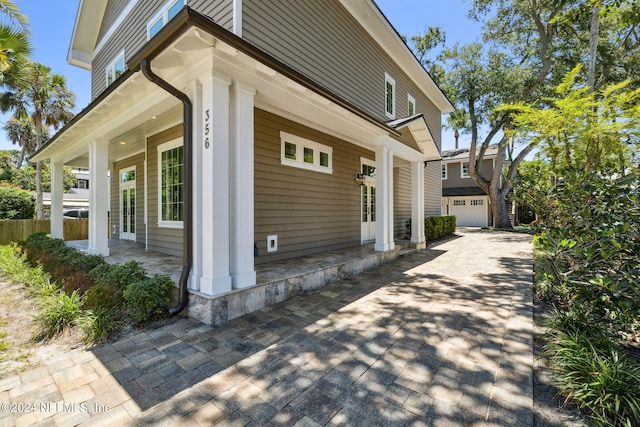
464, 170
171, 184
306, 154
115, 68
168, 11
389, 96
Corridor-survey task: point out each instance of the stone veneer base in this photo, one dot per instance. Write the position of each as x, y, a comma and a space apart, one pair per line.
222, 308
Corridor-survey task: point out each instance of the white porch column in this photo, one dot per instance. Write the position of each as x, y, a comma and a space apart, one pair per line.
57, 199
417, 204
384, 200
98, 198
197, 150
214, 189
241, 185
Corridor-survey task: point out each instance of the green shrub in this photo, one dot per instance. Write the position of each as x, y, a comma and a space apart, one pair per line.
436, 227
58, 312
597, 376
98, 325
16, 203
148, 298
103, 296
119, 276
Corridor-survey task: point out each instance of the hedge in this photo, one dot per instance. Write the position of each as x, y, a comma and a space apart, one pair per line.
436, 227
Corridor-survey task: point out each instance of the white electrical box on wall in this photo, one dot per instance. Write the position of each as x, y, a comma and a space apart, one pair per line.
272, 243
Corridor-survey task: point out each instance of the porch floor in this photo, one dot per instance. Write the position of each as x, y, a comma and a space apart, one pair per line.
122, 251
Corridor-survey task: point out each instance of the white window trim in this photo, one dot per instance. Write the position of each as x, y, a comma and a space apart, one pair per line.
301, 144
162, 148
462, 175
389, 79
411, 100
446, 171
111, 68
162, 14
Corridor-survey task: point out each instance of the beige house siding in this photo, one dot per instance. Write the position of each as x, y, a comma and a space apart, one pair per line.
401, 200
138, 162
111, 13
432, 190
454, 179
309, 211
164, 240
132, 33
321, 40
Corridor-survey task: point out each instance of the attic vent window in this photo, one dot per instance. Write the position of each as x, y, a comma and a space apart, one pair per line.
168, 11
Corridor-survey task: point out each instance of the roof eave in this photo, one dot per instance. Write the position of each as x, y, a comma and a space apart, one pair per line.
85, 32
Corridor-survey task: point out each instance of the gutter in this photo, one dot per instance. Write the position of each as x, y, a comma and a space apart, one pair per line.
187, 124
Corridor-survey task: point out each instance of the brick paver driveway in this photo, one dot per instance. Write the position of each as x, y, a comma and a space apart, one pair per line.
442, 337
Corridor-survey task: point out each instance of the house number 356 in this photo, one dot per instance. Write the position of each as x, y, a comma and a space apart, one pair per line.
206, 128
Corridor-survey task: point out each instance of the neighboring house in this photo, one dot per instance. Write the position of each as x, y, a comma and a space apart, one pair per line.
306, 125
82, 178
75, 198
460, 194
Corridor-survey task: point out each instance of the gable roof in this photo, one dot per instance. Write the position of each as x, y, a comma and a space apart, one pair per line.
371, 18
420, 131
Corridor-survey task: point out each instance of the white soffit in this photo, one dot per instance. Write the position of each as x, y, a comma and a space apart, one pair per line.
85, 32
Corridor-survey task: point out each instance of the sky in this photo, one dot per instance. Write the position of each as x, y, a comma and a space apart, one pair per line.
52, 25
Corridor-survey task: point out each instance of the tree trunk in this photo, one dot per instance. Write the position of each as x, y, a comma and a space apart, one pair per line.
500, 211
594, 33
37, 119
39, 204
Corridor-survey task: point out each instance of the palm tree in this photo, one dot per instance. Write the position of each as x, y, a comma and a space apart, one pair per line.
48, 103
15, 47
22, 132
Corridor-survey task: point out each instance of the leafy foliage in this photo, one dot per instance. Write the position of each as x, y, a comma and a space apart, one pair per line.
593, 238
75, 289
16, 203
593, 372
148, 298
58, 312
436, 227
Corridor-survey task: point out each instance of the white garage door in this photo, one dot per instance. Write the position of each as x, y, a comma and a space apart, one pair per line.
469, 211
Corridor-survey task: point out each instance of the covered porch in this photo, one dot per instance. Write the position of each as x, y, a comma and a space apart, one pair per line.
276, 281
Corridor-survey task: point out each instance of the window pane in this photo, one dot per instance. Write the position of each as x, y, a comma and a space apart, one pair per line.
124, 212
324, 159
132, 210
365, 204
411, 108
290, 150
308, 155
175, 8
389, 98
172, 184
155, 27
373, 204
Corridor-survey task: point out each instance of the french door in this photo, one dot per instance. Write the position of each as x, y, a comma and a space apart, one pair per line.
128, 206
368, 210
